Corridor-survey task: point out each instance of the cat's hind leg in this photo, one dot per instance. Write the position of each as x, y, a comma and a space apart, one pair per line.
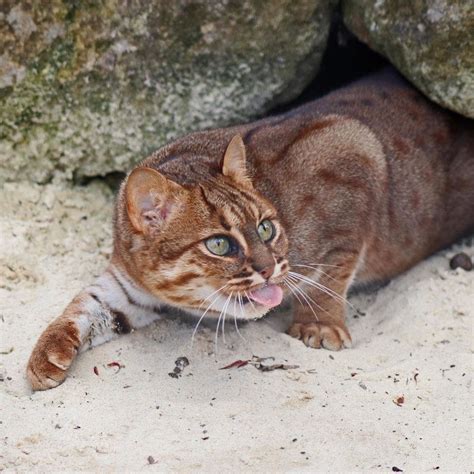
109, 307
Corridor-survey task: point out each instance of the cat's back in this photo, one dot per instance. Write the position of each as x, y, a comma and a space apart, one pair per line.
402, 119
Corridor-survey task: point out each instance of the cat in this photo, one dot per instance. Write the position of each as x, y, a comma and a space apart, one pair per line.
350, 189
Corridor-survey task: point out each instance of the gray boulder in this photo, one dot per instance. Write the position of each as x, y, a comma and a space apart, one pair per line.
430, 41
87, 88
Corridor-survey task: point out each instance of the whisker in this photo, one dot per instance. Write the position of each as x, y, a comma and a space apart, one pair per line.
235, 303
218, 324
296, 283
292, 291
235, 317
320, 287
292, 288
319, 270
211, 295
202, 317
313, 265
306, 299
317, 285
217, 332
328, 276
251, 302
225, 314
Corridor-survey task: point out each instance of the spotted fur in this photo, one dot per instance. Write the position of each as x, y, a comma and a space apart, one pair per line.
359, 185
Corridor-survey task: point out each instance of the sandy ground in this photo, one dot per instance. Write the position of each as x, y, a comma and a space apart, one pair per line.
413, 339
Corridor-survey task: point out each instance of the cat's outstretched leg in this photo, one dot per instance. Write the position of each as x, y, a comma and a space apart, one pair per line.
319, 317
113, 305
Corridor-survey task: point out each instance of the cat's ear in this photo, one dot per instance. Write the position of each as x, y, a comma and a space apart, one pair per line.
152, 199
234, 164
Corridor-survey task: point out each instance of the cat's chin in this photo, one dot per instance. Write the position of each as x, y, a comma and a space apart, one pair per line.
249, 313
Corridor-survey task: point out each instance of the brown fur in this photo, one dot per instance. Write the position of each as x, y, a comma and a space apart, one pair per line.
360, 185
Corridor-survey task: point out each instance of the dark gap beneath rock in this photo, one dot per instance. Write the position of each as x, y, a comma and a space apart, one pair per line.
345, 60
112, 179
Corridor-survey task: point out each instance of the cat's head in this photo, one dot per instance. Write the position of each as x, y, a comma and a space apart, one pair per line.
217, 246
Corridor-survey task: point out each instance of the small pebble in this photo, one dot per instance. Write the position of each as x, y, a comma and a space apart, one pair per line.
461, 260
180, 364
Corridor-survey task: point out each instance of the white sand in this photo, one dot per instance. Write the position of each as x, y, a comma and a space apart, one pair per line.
334, 413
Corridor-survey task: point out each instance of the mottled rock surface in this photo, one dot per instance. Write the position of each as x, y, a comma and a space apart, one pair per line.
87, 88
430, 41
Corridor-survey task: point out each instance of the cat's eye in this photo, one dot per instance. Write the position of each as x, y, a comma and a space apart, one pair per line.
221, 245
266, 230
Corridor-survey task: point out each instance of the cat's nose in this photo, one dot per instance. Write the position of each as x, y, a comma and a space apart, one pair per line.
267, 272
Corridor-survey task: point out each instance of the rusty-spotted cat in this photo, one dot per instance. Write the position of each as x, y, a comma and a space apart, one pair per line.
350, 189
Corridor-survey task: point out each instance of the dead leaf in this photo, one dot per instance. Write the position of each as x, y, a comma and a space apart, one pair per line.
238, 363
118, 365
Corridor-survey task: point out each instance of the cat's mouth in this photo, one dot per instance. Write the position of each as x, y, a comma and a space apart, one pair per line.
252, 303
258, 299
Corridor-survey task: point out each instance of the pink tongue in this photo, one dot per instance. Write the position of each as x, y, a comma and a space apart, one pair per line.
269, 296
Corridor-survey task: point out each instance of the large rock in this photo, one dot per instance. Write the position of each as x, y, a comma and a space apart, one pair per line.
87, 88
430, 41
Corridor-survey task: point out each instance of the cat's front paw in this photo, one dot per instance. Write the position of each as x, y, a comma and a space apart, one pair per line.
53, 354
321, 334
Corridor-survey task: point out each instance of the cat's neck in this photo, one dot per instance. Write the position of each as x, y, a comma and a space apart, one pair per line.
135, 293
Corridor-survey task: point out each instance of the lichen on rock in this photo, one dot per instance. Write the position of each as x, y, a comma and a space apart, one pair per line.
430, 41
88, 88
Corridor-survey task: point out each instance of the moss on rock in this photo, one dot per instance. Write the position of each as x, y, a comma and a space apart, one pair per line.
88, 88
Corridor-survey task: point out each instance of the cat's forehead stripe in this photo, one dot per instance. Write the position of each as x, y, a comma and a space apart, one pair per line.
241, 205
235, 216
244, 201
224, 220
